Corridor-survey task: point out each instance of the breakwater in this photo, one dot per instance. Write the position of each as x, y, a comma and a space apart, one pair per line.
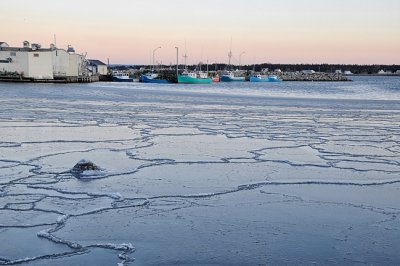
285, 76
318, 76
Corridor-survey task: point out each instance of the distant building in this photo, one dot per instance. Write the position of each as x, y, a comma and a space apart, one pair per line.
348, 72
96, 67
4, 44
398, 72
33, 61
381, 72
338, 71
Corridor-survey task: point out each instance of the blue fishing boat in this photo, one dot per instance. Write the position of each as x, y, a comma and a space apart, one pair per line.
259, 78
230, 77
152, 78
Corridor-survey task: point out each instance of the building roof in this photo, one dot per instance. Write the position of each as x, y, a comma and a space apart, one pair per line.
95, 62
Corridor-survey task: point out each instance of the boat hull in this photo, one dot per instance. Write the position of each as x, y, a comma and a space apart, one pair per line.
146, 79
269, 79
191, 80
117, 79
274, 79
232, 79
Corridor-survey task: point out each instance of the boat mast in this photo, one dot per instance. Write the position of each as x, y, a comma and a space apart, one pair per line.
177, 62
230, 55
185, 56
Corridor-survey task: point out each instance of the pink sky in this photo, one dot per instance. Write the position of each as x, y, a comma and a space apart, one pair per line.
288, 31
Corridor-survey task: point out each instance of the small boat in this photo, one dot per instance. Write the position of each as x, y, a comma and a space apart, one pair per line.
152, 78
119, 76
259, 78
230, 77
194, 78
216, 79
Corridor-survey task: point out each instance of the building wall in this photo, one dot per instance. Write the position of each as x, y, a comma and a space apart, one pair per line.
19, 61
82, 66
67, 64
60, 63
40, 64
102, 70
73, 68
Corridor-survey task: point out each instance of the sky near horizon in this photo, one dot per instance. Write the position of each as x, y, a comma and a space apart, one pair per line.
285, 31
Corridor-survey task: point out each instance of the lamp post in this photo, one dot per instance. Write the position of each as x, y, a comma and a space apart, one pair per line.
154, 51
177, 61
240, 60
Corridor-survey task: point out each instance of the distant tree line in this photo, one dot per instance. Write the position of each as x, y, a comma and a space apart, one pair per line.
328, 68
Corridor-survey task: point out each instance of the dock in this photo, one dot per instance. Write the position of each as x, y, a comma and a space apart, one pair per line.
20, 79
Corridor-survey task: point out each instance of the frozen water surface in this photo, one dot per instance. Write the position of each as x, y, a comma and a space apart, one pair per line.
222, 174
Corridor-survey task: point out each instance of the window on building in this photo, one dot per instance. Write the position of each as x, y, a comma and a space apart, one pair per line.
13, 54
35, 55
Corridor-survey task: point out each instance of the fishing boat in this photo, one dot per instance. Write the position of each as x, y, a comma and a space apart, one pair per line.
119, 76
152, 78
259, 78
230, 77
194, 78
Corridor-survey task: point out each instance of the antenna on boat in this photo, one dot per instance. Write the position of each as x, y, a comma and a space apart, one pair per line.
240, 60
230, 54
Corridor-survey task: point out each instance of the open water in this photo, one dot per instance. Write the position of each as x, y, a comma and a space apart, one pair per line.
292, 173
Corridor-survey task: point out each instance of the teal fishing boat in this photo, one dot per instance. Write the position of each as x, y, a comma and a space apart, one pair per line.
194, 78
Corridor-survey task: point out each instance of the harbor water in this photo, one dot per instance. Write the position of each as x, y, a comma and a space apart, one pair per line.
290, 173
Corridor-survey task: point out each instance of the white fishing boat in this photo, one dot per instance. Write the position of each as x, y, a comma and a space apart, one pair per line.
120, 76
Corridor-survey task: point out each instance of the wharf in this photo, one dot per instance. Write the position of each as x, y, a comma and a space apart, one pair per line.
82, 79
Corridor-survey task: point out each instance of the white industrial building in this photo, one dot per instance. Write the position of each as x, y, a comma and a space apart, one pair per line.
34, 62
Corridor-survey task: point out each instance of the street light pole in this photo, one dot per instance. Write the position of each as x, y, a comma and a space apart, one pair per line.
240, 60
154, 51
177, 61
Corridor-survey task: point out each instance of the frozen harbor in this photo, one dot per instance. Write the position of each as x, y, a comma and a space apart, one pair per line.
221, 174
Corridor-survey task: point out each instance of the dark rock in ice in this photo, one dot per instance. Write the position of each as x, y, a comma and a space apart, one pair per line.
84, 168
